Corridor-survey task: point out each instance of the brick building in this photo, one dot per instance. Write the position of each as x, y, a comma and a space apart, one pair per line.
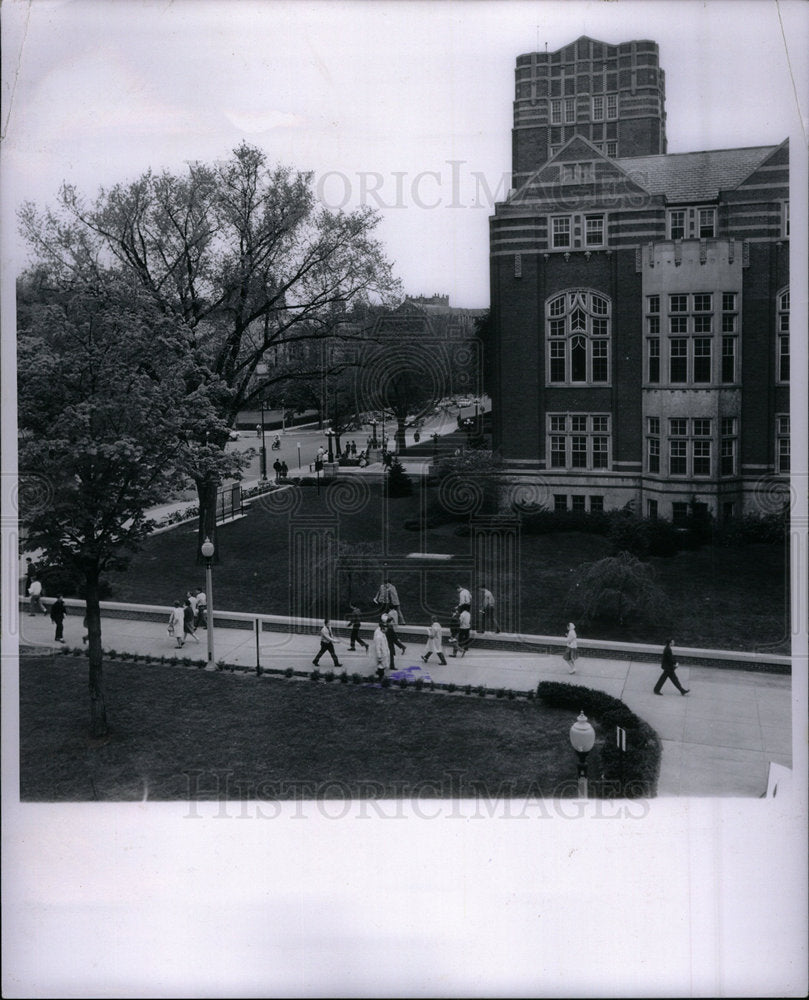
640, 300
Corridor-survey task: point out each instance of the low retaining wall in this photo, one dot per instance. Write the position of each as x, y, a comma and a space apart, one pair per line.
548, 645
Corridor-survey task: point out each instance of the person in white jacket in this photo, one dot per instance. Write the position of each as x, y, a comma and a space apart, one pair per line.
571, 649
434, 642
381, 651
176, 623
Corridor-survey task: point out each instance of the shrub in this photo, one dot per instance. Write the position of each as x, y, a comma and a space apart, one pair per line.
112, 654
173, 661
482, 690
511, 695
78, 652
328, 676
451, 687
617, 588
402, 683
641, 764
289, 672
315, 675
467, 689
187, 661
356, 679
221, 665
344, 678
419, 683
385, 682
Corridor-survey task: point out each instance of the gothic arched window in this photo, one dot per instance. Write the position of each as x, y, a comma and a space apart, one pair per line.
578, 338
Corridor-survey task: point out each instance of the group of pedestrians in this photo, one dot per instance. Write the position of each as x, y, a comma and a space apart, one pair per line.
281, 470
187, 616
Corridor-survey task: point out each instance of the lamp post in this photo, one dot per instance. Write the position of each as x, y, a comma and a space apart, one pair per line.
263, 447
330, 435
435, 444
283, 416
299, 456
582, 738
207, 549
373, 432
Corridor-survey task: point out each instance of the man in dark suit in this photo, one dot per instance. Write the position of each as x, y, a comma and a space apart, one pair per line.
668, 665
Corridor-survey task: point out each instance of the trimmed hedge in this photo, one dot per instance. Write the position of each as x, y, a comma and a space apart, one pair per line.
641, 764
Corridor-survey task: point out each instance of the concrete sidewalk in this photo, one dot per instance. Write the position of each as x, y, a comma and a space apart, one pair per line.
718, 741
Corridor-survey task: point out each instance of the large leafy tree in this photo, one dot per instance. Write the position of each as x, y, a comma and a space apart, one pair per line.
238, 252
114, 413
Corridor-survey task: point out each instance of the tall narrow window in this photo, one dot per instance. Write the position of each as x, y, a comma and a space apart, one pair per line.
598, 108
783, 336
594, 230
612, 105
561, 232
677, 224
678, 359
654, 359
707, 223
782, 443
578, 360
702, 359
728, 359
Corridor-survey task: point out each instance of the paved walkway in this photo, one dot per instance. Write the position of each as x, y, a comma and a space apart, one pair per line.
718, 741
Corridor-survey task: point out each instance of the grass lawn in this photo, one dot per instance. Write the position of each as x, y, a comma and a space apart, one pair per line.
241, 737
726, 598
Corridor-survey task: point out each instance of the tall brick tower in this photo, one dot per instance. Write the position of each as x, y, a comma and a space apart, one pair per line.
613, 95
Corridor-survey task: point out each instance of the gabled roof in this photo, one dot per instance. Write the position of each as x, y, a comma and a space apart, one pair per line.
683, 177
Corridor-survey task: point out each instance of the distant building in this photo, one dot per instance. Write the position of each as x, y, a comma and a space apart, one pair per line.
640, 301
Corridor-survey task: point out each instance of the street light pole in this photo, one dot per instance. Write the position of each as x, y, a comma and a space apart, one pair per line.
207, 550
582, 738
329, 435
263, 447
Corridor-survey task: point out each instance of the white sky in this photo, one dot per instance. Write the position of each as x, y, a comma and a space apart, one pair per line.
375, 98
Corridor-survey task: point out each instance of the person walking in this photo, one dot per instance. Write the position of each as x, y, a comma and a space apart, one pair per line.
35, 594
381, 650
58, 612
354, 621
327, 641
277, 466
202, 610
669, 665
487, 610
464, 599
176, 621
188, 620
571, 652
353, 449
284, 470
434, 642
30, 573
464, 631
388, 597
454, 628
393, 621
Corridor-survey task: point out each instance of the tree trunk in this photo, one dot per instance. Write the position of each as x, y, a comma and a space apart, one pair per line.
207, 490
98, 709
